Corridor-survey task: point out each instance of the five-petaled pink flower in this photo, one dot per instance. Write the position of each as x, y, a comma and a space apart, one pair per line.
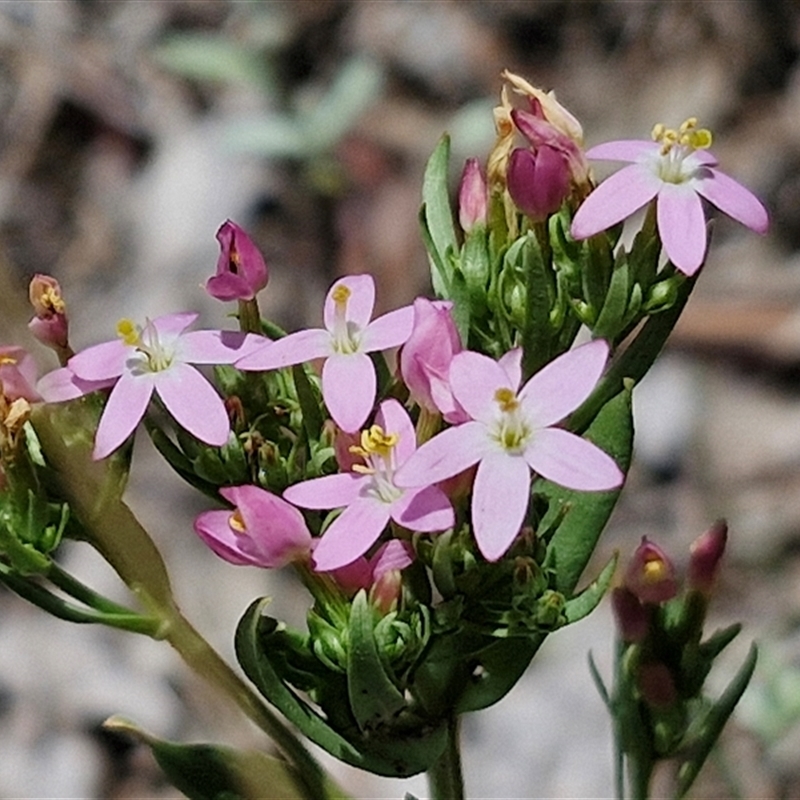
262, 531
349, 384
369, 493
156, 358
511, 433
676, 170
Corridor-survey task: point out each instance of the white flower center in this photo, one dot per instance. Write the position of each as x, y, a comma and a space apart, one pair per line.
157, 356
510, 429
671, 165
377, 449
345, 336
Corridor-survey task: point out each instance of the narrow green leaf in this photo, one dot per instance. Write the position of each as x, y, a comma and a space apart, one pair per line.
598, 682
309, 404
436, 204
374, 699
537, 334
584, 603
611, 318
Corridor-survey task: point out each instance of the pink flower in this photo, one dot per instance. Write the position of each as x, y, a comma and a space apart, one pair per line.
154, 358
426, 356
651, 574
17, 374
262, 531
473, 197
676, 170
348, 375
511, 433
369, 494
241, 269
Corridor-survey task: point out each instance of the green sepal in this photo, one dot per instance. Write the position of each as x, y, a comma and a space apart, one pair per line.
587, 513
704, 734
583, 603
612, 317
214, 772
437, 216
475, 265
461, 313
374, 698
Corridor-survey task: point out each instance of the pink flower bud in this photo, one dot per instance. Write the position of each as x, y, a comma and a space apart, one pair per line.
539, 181
651, 574
241, 269
49, 325
706, 552
630, 614
655, 682
472, 196
17, 374
426, 356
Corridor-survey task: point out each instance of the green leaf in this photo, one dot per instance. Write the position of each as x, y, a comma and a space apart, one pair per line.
537, 334
214, 772
584, 603
611, 318
309, 403
438, 213
587, 513
374, 699
712, 725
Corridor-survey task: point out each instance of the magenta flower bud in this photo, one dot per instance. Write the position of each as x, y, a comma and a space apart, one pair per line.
17, 374
657, 687
630, 614
538, 181
241, 269
472, 197
49, 325
263, 530
426, 356
651, 574
706, 552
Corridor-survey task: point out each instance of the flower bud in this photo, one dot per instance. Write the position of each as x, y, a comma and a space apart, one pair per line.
656, 684
651, 574
472, 197
49, 325
241, 269
706, 552
631, 616
538, 181
426, 356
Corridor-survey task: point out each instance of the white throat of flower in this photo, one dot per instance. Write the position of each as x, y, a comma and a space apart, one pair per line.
510, 428
377, 449
676, 145
345, 335
157, 357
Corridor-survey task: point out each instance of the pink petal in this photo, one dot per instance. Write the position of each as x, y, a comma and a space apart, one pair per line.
475, 379
426, 509
392, 555
623, 150
217, 347
330, 491
172, 325
389, 330
296, 348
570, 461
448, 453
348, 387
194, 403
359, 305
351, 534
213, 527
511, 362
102, 361
393, 418
682, 226
733, 199
62, 384
563, 384
125, 407
499, 501
614, 199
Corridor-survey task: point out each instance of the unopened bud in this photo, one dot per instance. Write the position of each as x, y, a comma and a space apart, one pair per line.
651, 574
472, 197
706, 553
241, 269
539, 181
656, 685
631, 616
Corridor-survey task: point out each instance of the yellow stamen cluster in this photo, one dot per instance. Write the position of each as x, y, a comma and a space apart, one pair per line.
52, 300
688, 135
375, 442
654, 571
6, 359
506, 399
341, 294
129, 332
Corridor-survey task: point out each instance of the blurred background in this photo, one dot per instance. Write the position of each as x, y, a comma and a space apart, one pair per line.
130, 130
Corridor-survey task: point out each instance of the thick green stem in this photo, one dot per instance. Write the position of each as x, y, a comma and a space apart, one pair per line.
445, 777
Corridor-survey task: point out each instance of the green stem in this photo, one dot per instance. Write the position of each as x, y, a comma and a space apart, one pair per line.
445, 777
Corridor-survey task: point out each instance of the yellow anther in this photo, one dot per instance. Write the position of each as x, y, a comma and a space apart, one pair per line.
341, 294
688, 135
654, 571
236, 522
50, 298
128, 331
507, 399
375, 441
7, 360
235, 258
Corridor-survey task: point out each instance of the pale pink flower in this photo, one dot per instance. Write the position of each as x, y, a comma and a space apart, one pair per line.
241, 269
17, 374
157, 357
676, 170
349, 383
426, 356
262, 531
651, 574
369, 495
513, 432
